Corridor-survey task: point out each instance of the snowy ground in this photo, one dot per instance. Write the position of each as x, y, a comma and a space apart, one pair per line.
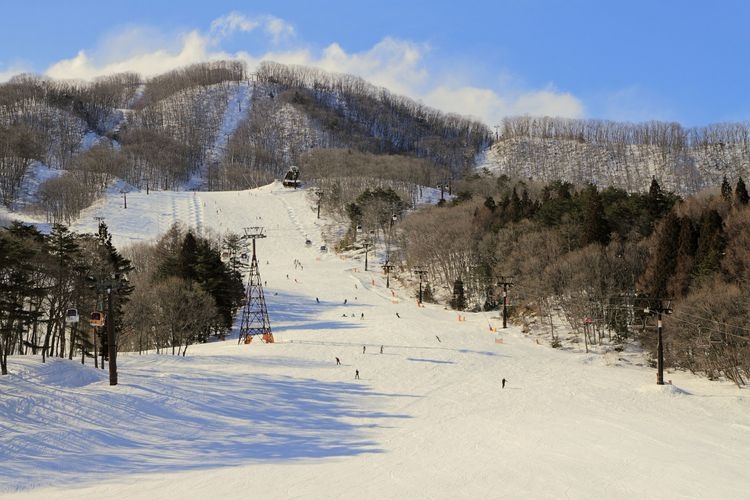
427, 419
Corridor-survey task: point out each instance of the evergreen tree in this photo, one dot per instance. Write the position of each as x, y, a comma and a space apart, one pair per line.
594, 227
740, 193
726, 189
687, 242
221, 283
17, 285
656, 202
711, 244
187, 259
660, 266
458, 302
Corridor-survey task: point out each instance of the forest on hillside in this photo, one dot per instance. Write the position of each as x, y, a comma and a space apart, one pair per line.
164, 132
165, 296
595, 258
620, 154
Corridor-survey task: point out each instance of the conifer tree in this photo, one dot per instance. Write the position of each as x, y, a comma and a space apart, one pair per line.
660, 266
711, 244
740, 193
458, 302
594, 226
687, 242
726, 189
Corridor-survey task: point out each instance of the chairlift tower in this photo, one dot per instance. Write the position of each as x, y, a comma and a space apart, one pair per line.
254, 314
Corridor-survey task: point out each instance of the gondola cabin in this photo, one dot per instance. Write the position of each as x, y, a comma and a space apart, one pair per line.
71, 316
291, 178
96, 319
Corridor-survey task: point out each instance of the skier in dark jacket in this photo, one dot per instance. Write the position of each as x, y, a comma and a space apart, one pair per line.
504, 383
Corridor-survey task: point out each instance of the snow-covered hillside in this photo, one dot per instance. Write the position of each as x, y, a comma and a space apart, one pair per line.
629, 167
427, 419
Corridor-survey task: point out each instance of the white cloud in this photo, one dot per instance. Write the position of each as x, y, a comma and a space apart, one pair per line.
276, 28
193, 48
490, 107
226, 25
13, 70
397, 65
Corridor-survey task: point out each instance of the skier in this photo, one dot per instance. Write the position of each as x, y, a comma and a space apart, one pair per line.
504, 383
317, 300
344, 301
381, 349
397, 315
438, 338
338, 361
362, 316
364, 348
356, 374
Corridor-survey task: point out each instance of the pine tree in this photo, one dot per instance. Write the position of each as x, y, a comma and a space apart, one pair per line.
17, 285
656, 202
687, 242
740, 193
660, 266
726, 189
187, 259
458, 302
711, 244
594, 227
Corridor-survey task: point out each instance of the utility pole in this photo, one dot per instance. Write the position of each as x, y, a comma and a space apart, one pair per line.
663, 307
419, 271
367, 243
319, 193
124, 198
146, 179
112, 287
387, 268
111, 345
505, 282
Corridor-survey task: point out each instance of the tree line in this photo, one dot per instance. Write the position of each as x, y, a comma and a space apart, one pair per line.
626, 155
167, 296
598, 259
349, 108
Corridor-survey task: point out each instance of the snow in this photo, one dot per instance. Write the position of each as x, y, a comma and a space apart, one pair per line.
238, 107
428, 418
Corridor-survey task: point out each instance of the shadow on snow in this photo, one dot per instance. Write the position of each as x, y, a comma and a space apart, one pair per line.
156, 421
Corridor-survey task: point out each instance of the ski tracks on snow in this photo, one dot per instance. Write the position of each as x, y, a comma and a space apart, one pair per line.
293, 217
185, 208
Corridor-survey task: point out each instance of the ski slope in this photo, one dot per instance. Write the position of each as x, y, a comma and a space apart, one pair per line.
427, 419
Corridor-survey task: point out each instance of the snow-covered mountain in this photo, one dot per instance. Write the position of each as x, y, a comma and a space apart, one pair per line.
622, 155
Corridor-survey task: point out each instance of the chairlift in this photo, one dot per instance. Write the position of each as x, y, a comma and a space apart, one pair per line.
97, 319
71, 316
359, 228
308, 243
225, 255
323, 248
244, 257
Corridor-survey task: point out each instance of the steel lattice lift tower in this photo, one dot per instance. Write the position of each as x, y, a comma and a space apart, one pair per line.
254, 314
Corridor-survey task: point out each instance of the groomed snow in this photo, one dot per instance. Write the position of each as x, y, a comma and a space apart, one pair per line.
427, 419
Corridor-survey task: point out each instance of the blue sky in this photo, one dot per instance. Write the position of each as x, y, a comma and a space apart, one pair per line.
672, 60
